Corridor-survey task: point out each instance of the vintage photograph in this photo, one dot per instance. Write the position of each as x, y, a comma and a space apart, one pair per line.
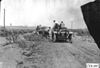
49, 34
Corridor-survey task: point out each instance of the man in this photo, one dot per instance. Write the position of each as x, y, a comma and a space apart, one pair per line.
56, 25
62, 25
37, 29
91, 15
47, 32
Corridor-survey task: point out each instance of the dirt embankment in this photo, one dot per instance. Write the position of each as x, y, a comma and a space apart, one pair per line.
37, 52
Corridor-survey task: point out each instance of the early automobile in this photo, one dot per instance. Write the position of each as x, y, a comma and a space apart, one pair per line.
62, 34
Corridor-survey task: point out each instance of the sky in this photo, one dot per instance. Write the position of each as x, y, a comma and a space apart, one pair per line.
36, 12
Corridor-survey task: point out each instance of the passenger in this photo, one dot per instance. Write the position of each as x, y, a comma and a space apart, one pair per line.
62, 25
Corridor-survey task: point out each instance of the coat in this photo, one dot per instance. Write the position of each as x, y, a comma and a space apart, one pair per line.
91, 16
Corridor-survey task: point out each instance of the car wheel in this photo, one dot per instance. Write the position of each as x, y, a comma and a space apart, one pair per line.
54, 38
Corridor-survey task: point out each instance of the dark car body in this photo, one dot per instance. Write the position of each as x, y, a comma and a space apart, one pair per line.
60, 35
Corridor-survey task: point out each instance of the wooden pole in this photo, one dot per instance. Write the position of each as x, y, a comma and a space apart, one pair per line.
71, 24
4, 22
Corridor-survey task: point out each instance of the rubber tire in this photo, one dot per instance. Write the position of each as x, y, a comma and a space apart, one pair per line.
54, 38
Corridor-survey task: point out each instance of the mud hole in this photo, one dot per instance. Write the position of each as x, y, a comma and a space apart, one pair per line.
35, 51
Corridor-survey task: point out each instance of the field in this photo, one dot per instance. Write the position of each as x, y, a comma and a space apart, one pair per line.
34, 51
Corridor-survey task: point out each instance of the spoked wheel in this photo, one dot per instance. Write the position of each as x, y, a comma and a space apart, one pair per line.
54, 38
70, 38
66, 40
70, 41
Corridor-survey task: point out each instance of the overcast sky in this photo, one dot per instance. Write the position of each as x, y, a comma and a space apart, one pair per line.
35, 12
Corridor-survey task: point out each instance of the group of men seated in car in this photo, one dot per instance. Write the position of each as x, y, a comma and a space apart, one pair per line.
58, 26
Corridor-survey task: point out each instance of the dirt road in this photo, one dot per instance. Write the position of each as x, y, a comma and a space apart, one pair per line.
50, 55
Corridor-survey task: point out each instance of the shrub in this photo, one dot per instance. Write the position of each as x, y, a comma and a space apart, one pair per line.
34, 37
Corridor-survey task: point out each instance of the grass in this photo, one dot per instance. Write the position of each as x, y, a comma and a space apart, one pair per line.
81, 32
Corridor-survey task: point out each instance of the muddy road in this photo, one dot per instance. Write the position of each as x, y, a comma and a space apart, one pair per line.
45, 54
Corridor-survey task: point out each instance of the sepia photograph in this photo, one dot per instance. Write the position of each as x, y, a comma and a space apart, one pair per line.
49, 34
